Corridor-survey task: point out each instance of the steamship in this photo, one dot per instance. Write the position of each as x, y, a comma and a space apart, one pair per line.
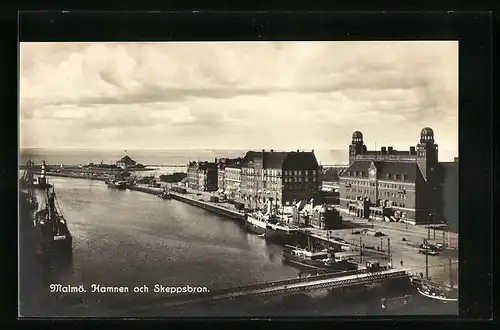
318, 259
271, 225
117, 184
55, 239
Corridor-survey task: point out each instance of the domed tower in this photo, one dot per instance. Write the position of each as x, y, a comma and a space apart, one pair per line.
427, 152
357, 146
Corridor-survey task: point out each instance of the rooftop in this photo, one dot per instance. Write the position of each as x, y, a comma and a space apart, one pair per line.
282, 159
409, 170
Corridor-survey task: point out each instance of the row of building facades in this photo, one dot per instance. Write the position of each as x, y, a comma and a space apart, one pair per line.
410, 186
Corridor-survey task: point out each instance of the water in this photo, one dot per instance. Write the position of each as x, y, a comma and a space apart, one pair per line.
169, 157
127, 238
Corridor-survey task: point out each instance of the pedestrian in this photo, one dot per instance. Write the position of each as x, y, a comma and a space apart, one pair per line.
401, 262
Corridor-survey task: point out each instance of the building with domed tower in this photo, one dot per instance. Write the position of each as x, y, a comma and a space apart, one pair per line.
393, 185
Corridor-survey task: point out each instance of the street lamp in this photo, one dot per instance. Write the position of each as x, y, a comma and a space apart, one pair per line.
428, 227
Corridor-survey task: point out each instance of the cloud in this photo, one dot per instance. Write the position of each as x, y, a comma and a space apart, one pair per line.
238, 94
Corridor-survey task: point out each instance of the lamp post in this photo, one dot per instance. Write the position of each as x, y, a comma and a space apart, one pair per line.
389, 251
360, 251
429, 228
426, 266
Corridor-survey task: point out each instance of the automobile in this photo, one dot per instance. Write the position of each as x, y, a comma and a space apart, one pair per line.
429, 251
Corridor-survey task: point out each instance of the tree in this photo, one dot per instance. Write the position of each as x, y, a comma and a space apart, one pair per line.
174, 177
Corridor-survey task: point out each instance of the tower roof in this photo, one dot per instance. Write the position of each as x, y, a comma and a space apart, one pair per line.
426, 131
357, 135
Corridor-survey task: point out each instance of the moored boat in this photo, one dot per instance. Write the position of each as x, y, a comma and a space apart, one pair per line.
55, 237
435, 294
164, 195
271, 226
435, 291
117, 184
323, 259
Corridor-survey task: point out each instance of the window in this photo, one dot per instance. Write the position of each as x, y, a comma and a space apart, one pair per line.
300, 179
314, 172
306, 172
314, 179
306, 179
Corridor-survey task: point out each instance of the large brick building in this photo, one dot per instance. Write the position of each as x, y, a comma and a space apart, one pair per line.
280, 177
390, 184
202, 176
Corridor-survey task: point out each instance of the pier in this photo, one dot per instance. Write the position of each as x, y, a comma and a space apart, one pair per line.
209, 206
283, 287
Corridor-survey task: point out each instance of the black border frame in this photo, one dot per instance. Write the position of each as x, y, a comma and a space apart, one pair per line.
472, 29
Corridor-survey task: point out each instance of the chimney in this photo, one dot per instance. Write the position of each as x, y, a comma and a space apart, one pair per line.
384, 150
412, 150
390, 150
272, 150
312, 151
298, 150
216, 160
263, 150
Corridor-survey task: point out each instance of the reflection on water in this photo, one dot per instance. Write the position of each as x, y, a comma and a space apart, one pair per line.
127, 238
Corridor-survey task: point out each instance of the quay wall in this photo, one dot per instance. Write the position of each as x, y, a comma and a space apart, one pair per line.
147, 190
209, 206
86, 176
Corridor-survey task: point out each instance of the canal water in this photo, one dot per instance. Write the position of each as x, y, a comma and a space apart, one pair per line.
128, 238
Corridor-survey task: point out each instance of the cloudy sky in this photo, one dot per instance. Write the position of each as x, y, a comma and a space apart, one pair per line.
252, 95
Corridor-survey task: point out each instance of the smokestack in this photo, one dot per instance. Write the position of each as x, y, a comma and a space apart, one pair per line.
216, 159
390, 150
42, 174
384, 150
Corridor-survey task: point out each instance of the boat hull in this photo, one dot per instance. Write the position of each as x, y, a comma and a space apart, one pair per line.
54, 244
117, 186
262, 228
318, 264
441, 298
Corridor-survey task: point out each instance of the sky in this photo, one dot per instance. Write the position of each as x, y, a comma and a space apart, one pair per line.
237, 95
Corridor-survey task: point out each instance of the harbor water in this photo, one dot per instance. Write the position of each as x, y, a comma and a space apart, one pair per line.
131, 239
